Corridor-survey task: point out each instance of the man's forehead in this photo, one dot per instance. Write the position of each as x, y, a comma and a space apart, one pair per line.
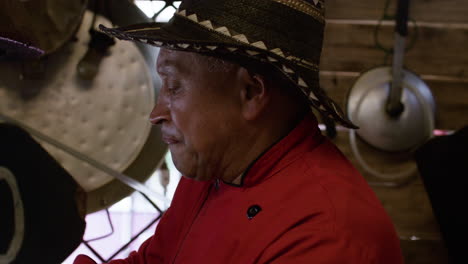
183, 62
171, 61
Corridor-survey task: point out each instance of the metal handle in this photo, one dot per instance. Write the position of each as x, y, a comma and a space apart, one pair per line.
394, 105
402, 17
366, 167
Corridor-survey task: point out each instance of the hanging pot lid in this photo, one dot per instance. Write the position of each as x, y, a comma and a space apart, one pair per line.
366, 107
393, 107
106, 118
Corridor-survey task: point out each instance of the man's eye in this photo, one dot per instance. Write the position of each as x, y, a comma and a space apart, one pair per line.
173, 89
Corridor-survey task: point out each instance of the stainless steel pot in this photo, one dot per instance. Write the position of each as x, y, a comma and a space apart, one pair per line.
393, 107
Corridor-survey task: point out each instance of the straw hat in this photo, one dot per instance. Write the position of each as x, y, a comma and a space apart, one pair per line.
31, 29
284, 34
10, 48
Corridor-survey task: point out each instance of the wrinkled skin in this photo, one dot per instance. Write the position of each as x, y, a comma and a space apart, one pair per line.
198, 111
216, 122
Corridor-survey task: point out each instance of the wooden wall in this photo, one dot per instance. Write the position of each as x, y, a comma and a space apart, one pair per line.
440, 57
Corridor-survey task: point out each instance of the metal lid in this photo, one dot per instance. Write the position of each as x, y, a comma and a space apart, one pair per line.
366, 107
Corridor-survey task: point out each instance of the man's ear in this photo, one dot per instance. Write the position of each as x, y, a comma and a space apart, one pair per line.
254, 94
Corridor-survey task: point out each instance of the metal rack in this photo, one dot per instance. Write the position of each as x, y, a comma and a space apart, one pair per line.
87, 243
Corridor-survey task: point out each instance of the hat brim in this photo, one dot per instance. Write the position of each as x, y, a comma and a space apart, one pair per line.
10, 48
178, 34
187, 34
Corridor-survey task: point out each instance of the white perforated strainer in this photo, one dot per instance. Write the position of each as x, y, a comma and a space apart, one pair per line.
106, 119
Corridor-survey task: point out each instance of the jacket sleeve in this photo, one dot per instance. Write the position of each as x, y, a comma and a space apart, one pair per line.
136, 257
153, 250
314, 246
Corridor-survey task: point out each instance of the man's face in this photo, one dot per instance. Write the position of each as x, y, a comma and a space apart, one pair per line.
199, 113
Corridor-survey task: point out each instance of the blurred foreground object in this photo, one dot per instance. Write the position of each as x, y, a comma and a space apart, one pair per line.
443, 165
42, 207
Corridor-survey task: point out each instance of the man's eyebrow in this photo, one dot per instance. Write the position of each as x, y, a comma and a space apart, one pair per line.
166, 69
171, 67
163, 70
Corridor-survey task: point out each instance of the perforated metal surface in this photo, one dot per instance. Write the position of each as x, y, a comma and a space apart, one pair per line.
367, 108
106, 119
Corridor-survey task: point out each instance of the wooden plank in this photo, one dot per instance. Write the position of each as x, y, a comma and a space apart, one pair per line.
438, 49
451, 96
424, 252
381, 161
407, 205
420, 10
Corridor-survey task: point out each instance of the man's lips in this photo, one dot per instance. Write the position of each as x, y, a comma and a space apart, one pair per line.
170, 140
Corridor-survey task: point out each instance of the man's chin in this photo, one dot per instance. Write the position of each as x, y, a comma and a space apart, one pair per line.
195, 178
186, 168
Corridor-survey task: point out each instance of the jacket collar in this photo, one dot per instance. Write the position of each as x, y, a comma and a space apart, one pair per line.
303, 137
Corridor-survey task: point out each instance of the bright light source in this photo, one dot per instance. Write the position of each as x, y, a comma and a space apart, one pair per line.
150, 8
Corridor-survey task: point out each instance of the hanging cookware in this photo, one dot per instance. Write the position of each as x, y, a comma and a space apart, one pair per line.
393, 107
106, 118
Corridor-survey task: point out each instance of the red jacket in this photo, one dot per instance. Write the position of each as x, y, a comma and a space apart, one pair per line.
300, 202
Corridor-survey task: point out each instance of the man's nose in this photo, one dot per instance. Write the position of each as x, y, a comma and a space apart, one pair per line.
160, 111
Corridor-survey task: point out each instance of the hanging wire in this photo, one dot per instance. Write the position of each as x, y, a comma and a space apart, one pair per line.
389, 50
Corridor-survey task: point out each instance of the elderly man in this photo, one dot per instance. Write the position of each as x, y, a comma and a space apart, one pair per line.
261, 185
